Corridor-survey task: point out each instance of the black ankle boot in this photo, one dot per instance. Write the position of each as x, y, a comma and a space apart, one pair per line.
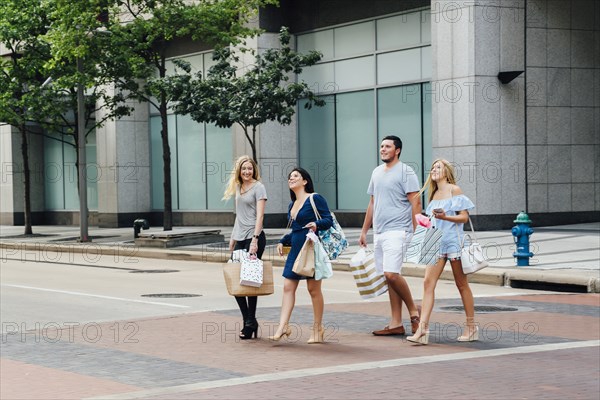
250, 329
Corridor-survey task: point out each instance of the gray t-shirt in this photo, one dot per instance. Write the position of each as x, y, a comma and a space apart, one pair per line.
392, 211
245, 209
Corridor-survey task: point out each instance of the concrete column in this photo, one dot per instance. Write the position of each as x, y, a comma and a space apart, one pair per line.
563, 106
9, 170
279, 148
478, 123
276, 144
12, 180
123, 155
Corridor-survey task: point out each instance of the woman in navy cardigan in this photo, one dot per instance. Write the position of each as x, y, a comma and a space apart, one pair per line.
303, 218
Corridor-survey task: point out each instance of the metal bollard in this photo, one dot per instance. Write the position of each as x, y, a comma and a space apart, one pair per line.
138, 225
521, 234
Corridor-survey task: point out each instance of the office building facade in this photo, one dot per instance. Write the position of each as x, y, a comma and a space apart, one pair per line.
508, 91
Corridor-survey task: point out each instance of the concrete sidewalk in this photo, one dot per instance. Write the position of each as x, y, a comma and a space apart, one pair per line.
567, 258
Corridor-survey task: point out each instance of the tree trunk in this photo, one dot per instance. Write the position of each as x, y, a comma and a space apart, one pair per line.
164, 135
27, 179
77, 166
253, 144
251, 140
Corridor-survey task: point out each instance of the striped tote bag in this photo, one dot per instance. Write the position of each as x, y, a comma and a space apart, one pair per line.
369, 282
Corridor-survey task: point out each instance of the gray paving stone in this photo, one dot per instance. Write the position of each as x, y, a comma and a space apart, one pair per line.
127, 368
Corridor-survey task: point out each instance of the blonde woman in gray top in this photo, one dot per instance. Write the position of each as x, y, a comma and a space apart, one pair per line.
250, 198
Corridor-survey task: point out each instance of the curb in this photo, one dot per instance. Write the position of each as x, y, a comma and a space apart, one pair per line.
488, 276
591, 284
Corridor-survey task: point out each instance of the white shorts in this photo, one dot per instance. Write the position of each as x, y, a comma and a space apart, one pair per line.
390, 248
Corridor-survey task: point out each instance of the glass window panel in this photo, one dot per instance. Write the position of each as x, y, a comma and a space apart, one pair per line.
427, 123
71, 182
156, 167
319, 77
218, 166
153, 109
170, 68
426, 26
354, 39
196, 63
321, 41
355, 73
172, 127
53, 174
208, 61
399, 66
399, 31
92, 172
399, 113
316, 132
356, 148
426, 62
156, 164
190, 157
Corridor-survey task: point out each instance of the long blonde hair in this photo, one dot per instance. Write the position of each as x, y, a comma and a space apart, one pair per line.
431, 186
235, 179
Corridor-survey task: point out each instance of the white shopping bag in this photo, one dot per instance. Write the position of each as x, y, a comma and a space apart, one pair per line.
251, 272
323, 268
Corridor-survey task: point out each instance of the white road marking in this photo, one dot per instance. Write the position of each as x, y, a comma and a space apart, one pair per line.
95, 295
303, 373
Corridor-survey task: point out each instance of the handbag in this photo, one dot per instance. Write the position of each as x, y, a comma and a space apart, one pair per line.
430, 246
251, 271
333, 239
413, 252
231, 273
369, 281
304, 264
323, 269
287, 248
471, 256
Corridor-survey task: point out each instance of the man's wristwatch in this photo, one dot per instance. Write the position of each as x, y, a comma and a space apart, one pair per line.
255, 236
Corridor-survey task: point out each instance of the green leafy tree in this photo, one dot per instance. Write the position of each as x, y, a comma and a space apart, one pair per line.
249, 96
151, 26
42, 42
21, 26
83, 55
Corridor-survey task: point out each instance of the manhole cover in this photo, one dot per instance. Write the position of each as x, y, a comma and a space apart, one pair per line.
481, 309
171, 295
153, 271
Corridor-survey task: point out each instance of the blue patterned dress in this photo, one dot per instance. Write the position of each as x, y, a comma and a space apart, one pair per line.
297, 236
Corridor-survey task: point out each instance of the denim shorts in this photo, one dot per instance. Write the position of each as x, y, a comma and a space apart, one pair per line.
450, 256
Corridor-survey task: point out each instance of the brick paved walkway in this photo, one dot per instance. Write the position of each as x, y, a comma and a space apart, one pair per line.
546, 348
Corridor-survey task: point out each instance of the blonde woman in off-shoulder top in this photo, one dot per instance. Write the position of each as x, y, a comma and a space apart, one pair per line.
450, 207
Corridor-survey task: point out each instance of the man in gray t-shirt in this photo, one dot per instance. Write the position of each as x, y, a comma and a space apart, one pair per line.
394, 188
389, 186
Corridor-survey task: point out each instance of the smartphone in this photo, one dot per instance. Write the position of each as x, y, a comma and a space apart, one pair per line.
438, 210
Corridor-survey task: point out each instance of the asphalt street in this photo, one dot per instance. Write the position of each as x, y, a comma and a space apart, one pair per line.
84, 326
46, 287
